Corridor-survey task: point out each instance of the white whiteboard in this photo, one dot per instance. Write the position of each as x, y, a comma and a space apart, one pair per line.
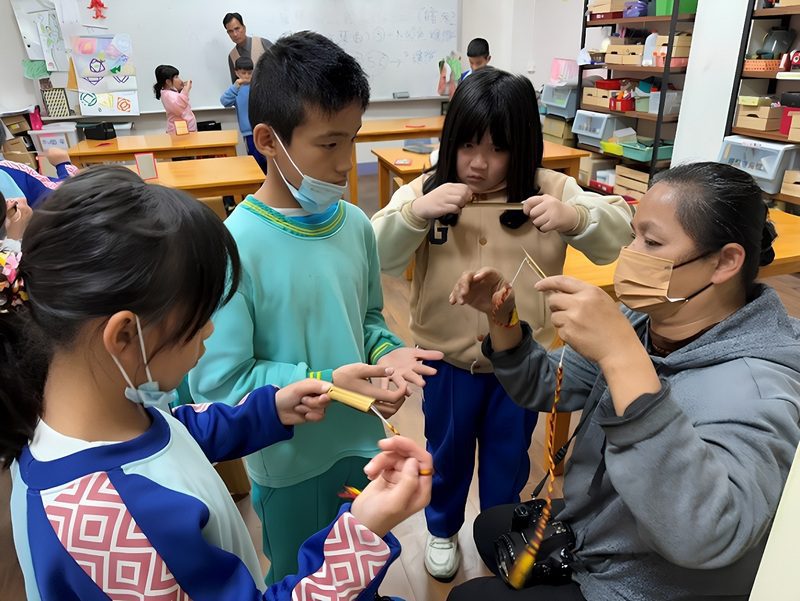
398, 43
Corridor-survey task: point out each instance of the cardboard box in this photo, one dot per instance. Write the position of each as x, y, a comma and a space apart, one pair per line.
557, 128
631, 184
681, 39
630, 193
591, 165
16, 124
762, 112
561, 141
677, 51
758, 123
607, 6
785, 3
15, 150
624, 54
791, 183
642, 177
756, 100
594, 97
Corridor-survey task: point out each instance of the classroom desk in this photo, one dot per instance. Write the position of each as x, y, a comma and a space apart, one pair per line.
203, 178
382, 130
163, 146
787, 260
556, 157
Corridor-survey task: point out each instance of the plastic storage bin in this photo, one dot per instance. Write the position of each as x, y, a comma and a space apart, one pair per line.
591, 127
560, 100
672, 104
54, 135
765, 161
640, 152
664, 7
123, 129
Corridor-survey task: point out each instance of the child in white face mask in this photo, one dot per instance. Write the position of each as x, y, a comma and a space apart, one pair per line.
310, 301
101, 319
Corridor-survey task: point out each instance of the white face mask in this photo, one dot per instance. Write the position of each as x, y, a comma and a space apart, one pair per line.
314, 195
148, 393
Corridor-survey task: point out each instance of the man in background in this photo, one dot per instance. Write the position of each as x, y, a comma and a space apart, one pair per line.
252, 48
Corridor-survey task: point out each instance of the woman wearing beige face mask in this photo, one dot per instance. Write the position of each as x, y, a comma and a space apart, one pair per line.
692, 394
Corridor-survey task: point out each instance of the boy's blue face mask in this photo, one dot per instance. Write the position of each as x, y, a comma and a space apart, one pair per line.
314, 195
147, 394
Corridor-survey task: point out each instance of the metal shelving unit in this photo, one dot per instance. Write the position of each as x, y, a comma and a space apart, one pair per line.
664, 73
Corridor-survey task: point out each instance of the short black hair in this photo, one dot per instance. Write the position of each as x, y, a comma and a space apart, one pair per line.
230, 17
243, 63
478, 47
719, 205
163, 73
504, 105
304, 71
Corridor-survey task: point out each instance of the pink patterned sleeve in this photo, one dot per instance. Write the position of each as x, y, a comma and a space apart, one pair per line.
353, 557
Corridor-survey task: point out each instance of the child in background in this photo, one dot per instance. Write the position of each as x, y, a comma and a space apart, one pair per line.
29, 183
174, 95
109, 491
238, 95
310, 300
491, 152
478, 56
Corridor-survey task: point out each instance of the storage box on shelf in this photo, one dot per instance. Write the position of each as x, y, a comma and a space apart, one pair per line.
15, 150
664, 7
606, 6
633, 179
644, 152
596, 97
560, 100
765, 161
55, 135
791, 183
591, 165
681, 44
16, 124
794, 129
672, 104
591, 127
558, 131
624, 54
674, 63
786, 118
762, 118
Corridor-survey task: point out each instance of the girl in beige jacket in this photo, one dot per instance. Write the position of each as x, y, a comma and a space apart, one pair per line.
486, 200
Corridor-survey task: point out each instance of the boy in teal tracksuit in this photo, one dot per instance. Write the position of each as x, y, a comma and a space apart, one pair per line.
309, 302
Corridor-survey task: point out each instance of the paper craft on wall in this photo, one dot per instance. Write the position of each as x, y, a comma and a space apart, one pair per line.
41, 32
110, 103
55, 101
105, 56
53, 48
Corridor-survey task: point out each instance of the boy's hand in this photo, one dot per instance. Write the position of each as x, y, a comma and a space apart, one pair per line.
355, 377
444, 200
401, 485
303, 401
240, 82
548, 214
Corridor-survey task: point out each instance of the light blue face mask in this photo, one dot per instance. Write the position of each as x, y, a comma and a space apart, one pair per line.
148, 393
314, 195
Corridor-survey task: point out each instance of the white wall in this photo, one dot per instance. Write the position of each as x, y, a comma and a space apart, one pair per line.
709, 79
17, 92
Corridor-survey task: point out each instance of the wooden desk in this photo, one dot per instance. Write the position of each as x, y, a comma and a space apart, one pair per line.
202, 178
163, 146
556, 157
382, 130
787, 260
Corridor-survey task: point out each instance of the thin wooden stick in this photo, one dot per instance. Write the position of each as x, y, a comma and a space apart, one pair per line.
539, 271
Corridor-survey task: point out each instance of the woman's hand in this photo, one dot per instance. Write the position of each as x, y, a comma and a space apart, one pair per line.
588, 320
401, 477
485, 290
